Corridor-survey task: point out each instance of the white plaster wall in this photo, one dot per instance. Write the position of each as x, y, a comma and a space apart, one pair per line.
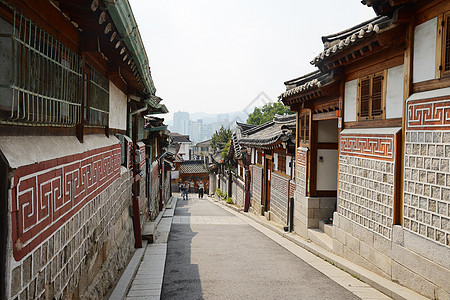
253, 156
394, 92
288, 168
275, 161
184, 150
117, 108
327, 170
424, 60
350, 100
328, 131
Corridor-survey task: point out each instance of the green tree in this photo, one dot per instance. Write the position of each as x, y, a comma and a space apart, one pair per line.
267, 112
222, 136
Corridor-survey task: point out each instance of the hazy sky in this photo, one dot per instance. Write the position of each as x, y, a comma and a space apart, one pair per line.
217, 56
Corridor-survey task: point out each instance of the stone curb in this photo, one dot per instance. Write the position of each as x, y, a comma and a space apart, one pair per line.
123, 285
386, 286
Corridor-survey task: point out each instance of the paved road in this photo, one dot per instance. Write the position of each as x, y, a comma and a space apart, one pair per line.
213, 254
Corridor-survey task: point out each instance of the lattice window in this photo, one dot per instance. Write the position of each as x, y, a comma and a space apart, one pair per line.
304, 120
41, 84
371, 92
445, 64
282, 163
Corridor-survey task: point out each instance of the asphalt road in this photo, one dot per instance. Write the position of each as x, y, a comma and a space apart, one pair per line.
212, 254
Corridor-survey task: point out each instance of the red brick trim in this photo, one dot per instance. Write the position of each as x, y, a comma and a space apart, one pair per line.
375, 146
429, 114
46, 195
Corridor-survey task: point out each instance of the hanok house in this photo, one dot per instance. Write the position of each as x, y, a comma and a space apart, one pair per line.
385, 85
264, 169
193, 172
73, 77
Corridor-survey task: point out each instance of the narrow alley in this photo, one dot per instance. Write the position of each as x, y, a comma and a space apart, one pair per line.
216, 253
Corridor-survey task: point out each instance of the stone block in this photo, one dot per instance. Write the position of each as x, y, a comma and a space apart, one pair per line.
363, 234
428, 249
27, 270
375, 257
328, 203
338, 248
420, 265
382, 244
412, 280
339, 234
352, 243
346, 225
16, 280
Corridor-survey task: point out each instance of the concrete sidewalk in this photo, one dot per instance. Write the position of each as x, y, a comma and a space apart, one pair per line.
330, 264
143, 277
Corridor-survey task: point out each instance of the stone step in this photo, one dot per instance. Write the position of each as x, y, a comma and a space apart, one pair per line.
169, 213
148, 231
327, 228
320, 238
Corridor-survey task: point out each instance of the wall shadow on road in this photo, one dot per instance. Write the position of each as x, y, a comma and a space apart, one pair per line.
181, 278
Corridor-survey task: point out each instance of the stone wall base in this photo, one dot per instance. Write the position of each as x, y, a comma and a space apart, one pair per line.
415, 262
308, 211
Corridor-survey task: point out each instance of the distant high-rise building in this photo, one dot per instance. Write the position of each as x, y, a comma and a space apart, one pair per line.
181, 122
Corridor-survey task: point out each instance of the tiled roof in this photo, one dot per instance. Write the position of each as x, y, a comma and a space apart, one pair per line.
338, 42
179, 138
309, 81
204, 143
193, 167
267, 135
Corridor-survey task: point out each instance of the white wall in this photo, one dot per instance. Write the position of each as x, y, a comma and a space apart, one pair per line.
327, 131
327, 170
350, 100
275, 162
424, 59
117, 108
394, 92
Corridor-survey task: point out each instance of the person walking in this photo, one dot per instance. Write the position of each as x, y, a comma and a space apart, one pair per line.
185, 190
201, 189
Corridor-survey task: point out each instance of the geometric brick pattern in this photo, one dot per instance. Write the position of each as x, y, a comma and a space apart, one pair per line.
373, 145
47, 194
279, 196
59, 262
428, 114
366, 192
301, 170
256, 182
426, 195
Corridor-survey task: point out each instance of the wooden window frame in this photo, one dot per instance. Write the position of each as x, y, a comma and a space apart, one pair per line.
441, 47
382, 116
304, 122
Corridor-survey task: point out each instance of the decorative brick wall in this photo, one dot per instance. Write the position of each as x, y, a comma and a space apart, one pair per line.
154, 193
426, 197
73, 227
279, 196
291, 188
301, 170
367, 178
238, 192
256, 182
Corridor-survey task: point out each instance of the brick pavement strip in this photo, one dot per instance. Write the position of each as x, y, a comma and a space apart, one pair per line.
148, 281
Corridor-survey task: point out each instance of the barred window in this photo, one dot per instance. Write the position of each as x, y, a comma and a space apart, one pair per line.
98, 99
42, 84
124, 148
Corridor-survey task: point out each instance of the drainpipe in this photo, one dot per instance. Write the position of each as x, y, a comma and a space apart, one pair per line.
132, 117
